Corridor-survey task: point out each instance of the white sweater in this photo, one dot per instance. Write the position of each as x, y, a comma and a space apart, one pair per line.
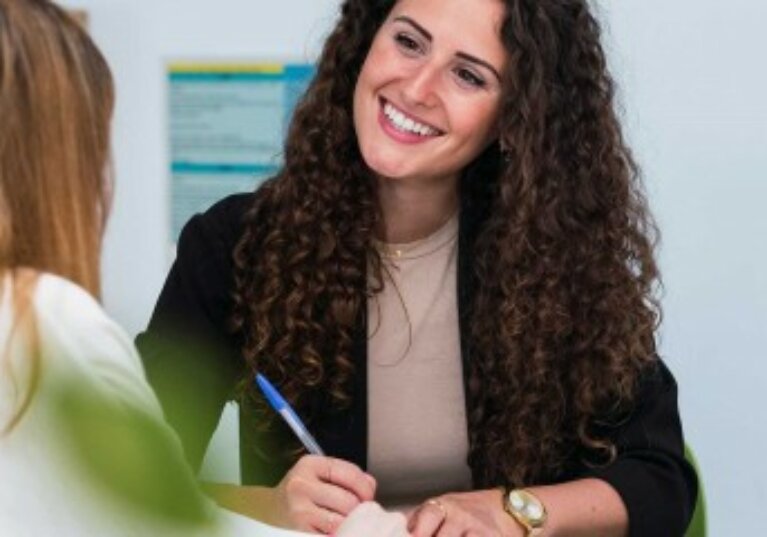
41, 493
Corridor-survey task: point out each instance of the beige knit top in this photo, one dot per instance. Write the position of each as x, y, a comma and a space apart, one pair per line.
418, 441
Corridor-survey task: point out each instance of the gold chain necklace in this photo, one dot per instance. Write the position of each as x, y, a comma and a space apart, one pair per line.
405, 251
401, 253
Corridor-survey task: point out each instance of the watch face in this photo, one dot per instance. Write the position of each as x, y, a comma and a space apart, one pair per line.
528, 507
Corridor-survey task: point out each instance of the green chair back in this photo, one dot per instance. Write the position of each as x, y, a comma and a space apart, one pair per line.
697, 526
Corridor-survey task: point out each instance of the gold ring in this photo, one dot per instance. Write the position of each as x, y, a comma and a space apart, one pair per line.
439, 505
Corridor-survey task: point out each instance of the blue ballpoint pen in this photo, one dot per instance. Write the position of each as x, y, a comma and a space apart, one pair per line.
282, 407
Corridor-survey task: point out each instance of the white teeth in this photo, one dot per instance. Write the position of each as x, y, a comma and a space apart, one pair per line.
406, 124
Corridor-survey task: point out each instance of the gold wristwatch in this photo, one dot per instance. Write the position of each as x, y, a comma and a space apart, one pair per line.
526, 509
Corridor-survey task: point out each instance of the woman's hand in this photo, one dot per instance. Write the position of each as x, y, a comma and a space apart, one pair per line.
470, 514
318, 493
370, 520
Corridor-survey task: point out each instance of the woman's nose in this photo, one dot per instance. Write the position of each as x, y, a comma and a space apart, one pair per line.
421, 87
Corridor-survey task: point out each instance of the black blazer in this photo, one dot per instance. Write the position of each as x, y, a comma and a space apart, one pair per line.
193, 363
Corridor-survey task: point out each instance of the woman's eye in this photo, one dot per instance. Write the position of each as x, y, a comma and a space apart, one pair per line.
407, 43
469, 77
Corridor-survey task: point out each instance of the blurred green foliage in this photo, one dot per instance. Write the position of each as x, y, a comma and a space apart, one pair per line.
130, 456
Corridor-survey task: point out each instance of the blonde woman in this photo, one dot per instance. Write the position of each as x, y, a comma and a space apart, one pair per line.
56, 100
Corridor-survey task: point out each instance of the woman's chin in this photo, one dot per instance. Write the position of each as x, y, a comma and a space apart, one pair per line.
387, 169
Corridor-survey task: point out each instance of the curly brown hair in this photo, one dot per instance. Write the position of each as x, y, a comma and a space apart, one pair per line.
563, 314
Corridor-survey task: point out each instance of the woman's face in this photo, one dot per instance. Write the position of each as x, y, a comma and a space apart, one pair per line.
427, 98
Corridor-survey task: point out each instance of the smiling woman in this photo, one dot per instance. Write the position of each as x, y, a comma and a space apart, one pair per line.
427, 99
451, 280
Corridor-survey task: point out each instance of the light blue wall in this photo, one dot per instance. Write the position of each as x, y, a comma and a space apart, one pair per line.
693, 83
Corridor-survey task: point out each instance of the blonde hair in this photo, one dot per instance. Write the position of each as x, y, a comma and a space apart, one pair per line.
56, 100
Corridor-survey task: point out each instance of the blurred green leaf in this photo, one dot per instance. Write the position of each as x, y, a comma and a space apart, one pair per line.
130, 455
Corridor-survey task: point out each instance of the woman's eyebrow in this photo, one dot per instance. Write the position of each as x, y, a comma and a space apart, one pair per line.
414, 24
483, 63
427, 35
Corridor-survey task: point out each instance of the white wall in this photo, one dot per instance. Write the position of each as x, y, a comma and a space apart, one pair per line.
693, 81
695, 89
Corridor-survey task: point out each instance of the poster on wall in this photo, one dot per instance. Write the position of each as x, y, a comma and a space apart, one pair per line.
227, 125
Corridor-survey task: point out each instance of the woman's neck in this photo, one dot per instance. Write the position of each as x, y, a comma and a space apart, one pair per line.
414, 210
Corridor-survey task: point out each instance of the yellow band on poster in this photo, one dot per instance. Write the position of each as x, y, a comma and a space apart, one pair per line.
241, 68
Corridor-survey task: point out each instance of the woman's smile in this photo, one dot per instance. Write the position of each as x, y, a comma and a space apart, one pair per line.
403, 127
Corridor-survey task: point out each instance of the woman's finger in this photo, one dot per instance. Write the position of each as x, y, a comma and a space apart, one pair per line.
324, 521
428, 519
334, 498
346, 475
450, 530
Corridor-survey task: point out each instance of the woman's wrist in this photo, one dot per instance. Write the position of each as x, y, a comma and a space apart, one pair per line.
582, 508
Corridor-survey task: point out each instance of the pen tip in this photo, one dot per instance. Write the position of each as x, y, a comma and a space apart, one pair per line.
270, 392
261, 381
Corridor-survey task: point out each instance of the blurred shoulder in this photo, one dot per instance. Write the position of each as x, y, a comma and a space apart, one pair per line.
65, 304
79, 338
